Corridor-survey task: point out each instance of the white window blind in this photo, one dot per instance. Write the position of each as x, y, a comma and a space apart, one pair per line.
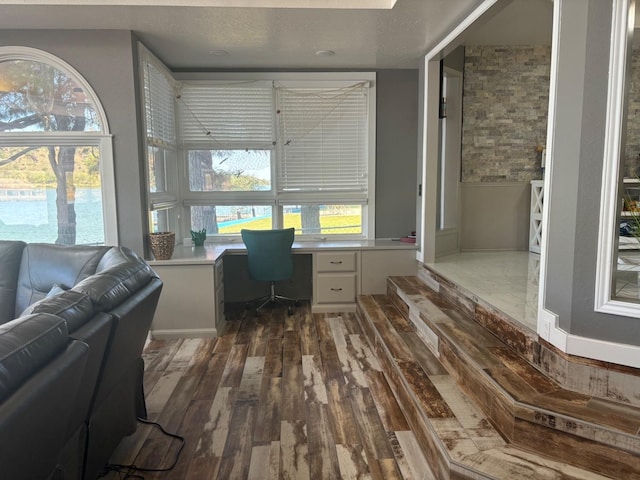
159, 103
324, 140
227, 116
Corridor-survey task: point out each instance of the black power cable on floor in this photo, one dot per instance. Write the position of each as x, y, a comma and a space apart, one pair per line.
131, 471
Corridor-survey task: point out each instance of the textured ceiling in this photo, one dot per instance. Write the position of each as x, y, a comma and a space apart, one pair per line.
287, 38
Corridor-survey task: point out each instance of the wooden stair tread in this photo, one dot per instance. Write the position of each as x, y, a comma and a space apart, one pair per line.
524, 383
522, 401
450, 424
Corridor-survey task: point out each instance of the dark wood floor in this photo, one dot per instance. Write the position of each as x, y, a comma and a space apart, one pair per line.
274, 397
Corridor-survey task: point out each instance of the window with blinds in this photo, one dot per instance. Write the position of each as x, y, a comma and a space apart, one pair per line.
158, 102
227, 132
324, 141
263, 150
158, 94
227, 115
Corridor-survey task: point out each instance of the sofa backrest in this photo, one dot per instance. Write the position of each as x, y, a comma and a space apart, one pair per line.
74, 307
26, 345
120, 273
10, 256
44, 266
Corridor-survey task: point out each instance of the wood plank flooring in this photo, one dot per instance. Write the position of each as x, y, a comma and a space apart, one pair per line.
274, 397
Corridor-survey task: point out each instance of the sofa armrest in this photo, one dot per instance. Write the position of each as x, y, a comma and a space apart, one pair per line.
35, 419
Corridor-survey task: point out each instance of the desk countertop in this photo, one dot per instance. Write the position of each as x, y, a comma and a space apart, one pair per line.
213, 251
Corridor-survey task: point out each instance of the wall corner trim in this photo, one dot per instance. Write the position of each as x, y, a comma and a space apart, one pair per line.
549, 331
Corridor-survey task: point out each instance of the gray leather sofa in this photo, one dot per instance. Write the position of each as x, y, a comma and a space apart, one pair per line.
73, 322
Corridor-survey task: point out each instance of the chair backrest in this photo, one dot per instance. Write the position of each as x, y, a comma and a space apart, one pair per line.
269, 253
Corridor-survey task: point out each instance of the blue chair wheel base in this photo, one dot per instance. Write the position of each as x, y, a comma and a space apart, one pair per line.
273, 299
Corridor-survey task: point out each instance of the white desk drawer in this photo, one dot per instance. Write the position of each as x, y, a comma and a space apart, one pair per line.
336, 261
338, 288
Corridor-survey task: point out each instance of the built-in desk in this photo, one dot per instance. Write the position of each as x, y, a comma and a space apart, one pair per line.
192, 299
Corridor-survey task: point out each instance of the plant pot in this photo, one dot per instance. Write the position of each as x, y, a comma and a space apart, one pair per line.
162, 244
198, 237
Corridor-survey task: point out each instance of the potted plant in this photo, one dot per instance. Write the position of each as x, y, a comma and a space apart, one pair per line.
198, 237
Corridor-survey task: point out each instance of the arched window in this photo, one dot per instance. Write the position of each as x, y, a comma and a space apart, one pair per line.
56, 166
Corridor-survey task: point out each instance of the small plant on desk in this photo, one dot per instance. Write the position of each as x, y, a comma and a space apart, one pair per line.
198, 237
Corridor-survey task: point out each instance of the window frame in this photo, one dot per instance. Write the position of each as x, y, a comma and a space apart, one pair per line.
622, 32
166, 202
273, 198
101, 139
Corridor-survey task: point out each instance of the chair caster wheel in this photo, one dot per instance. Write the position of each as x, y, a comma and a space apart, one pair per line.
289, 311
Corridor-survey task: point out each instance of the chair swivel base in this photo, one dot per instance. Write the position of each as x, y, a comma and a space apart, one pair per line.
274, 298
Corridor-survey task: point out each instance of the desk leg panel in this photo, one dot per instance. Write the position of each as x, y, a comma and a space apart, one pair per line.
187, 306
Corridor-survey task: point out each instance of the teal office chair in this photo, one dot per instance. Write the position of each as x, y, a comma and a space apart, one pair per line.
270, 260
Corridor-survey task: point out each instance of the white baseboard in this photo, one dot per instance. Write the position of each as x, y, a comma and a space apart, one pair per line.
618, 353
184, 333
447, 241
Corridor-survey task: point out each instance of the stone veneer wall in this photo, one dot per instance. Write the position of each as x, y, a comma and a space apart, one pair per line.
506, 99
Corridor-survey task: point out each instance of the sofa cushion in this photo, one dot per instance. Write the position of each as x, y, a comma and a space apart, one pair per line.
10, 256
55, 290
44, 265
75, 307
26, 345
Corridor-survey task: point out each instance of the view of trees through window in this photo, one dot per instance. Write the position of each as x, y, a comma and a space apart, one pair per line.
228, 171
42, 203
250, 171
50, 189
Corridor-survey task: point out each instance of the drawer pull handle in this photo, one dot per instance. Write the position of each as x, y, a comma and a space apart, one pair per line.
336, 263
336, 289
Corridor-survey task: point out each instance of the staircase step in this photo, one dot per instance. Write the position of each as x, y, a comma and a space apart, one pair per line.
530, 410
512, 370
458, 439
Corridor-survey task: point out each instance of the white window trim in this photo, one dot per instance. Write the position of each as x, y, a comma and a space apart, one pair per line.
621, 32
168, 198
101, 139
